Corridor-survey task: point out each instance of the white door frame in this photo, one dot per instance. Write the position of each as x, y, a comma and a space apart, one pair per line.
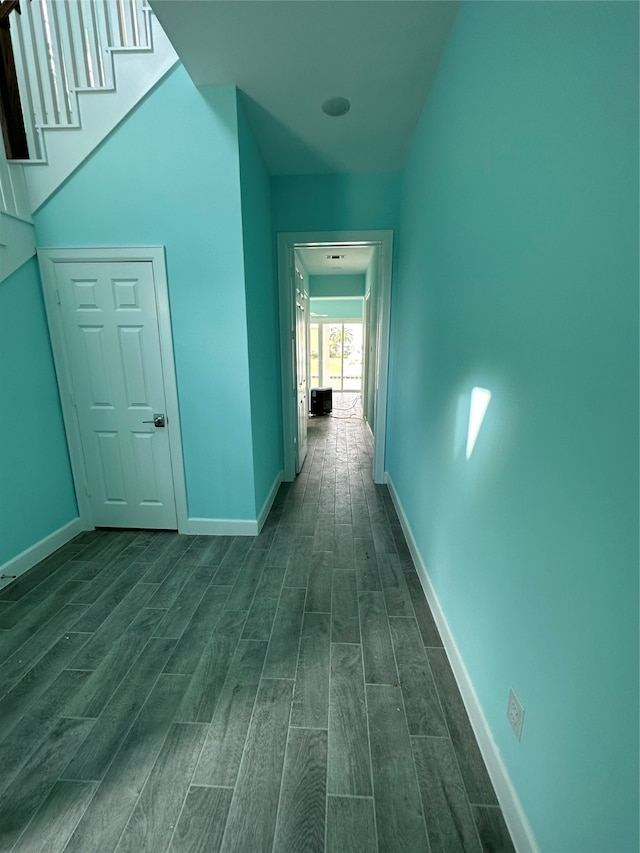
366, 319
47, 259
287, 242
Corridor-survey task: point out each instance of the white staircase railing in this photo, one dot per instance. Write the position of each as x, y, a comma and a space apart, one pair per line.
65, 47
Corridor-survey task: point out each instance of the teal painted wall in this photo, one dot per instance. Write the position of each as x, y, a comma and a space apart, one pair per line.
169, 175
518, 272
36, 489
322, 286
336, 309
346, 202
262, 314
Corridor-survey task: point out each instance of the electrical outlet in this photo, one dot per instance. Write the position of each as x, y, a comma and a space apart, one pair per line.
515, 713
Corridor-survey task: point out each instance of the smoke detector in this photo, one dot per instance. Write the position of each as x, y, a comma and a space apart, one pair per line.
336, 107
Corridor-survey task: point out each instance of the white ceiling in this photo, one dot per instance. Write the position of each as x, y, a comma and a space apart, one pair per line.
321, 260
289, 56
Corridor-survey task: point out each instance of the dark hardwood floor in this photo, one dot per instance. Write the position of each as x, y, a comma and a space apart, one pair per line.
287, 692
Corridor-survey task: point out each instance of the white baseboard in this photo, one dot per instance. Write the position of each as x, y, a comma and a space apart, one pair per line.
512, 810
222, 527
266, 507
19, 564
235, 526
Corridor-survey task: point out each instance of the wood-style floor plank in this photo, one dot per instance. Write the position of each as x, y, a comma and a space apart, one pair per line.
180, 612
232, 561
493, 832
474, 772
176, 550
95, 754
211, 551
107, 576
383, 540
349, 767
446, 808
36, 724
252, 815
33, 784
56, 819
110, 809
323, 539
421, 700
202, 694
399, 816
265, 604
98, 689
116, 593
345, 621
244, 589
311, 696
367, 565
299, 563
301, 814
37, 680
159, 544
43, 578
222, 751
426, 622
377, 651
394, 585
105, 546
38, 644
171, 587
351, 825
158, 808
343, 552
110, 631
319, 583
198, 632
282, 545
282, 654
202, 821
26, 619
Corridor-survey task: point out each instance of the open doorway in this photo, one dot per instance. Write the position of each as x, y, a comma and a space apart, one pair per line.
346, 277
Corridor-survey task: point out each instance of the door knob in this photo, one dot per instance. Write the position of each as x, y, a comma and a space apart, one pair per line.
158, 421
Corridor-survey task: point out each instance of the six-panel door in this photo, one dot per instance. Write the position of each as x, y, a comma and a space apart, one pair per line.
113, 346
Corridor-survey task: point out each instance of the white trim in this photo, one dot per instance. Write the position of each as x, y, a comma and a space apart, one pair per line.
17, 243
287, 243
235, 526
136, 73
512, 810
266, 506
21, 563
48, 258
383, 320
222, 527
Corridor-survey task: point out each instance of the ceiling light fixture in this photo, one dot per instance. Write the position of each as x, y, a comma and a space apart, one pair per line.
335, 107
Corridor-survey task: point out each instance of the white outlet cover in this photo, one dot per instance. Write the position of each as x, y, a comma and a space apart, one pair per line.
515, 713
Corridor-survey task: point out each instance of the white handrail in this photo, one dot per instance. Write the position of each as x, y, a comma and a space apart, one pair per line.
63, 47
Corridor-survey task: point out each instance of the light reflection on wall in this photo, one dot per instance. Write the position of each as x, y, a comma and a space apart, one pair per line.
480, 399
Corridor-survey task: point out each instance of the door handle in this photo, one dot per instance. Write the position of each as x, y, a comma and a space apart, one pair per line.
158, 421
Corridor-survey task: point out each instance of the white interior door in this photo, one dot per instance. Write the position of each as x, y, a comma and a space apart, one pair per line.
111, 334
301, 370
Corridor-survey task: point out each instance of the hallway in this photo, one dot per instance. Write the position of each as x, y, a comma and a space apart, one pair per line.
287, 692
